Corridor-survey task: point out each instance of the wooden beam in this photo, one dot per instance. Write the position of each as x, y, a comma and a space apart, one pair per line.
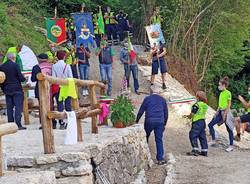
78, 82
48, 134
2, 77
26, 107
93, 102
62, 115
5, 129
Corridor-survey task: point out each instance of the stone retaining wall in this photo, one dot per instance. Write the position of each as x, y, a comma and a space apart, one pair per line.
120, 159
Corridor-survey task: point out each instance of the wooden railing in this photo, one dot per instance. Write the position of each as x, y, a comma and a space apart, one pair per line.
46, 115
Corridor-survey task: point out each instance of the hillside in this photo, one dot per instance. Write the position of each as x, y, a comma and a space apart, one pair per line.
18, 20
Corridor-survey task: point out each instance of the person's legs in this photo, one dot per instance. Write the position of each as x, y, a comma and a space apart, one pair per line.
74, 71
193, 137
114, 32
163, 67
217, 119
60, 107
103, 73
127, 73
231, 135
68, 104
10, 107
18, 103
148, 127
134, 69
155, 67
109, 76
158, 131
109, 32
81, 71
203, 139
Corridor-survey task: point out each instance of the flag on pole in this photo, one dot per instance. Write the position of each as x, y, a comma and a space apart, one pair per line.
56, 30
100, 22
131, 51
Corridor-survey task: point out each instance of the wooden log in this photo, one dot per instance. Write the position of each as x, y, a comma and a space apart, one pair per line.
78, 82
48, 134
26, 107
93, 102
62, 115
5, 129
91, 113
2, 77
8, 128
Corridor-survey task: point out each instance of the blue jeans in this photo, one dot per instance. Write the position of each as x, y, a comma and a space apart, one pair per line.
198, 132
106, 75
15, 101
216, 120
158, 128
84, 72
134, 69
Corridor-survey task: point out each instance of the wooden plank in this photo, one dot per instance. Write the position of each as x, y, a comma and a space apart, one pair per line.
93, 102
26, 107
8, 128
1, 157
48, 134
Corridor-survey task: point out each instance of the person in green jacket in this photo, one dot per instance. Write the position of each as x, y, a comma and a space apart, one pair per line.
15, 50
198, 130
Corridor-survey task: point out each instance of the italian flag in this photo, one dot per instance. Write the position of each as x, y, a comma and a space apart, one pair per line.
56, 30
131, 51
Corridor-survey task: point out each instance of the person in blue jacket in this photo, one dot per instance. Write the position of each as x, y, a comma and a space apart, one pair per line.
156, 116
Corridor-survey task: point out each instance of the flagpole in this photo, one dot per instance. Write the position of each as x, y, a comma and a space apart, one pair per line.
56, 8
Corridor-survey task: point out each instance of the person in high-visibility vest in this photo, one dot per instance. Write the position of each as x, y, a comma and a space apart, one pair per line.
52, 54
97, 32
156, 18
15, 50
71, 59
110, 24
198, 130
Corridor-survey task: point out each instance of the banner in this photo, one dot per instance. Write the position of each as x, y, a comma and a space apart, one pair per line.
155, 34
56, 30
84, 29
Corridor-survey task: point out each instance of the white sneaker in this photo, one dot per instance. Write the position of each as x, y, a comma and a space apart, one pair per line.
86, 92
229, 149
212, 143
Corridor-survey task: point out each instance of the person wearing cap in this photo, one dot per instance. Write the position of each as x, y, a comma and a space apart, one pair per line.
156, 116
198, 130
43, 67
63, 71
129, 66
12, 88
106, 57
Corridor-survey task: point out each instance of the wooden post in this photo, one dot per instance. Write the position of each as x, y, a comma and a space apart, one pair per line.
44, 101
26, 108
5, 129
93, 102
75, 106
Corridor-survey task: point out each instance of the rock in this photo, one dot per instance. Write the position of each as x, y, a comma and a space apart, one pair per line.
43, 177
141, 178
83, 168
74, 157
20, 161
76, 180
46, 159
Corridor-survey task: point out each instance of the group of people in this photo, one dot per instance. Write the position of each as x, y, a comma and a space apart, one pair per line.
117, 27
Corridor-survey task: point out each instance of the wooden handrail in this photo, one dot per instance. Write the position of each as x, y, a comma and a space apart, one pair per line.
78, 82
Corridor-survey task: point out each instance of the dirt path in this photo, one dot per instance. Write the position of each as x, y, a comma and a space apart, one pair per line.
218, 168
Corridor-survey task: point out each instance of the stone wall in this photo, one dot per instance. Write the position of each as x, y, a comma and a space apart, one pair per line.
120, 158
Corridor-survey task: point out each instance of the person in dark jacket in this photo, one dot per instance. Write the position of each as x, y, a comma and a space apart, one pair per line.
12, 88
156, 116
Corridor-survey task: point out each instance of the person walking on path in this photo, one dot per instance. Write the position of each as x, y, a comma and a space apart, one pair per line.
83, 55
198, 130
12, 88
106, 57
223, 114
243, 120
158, 54
62, 70
129, 66
156, 116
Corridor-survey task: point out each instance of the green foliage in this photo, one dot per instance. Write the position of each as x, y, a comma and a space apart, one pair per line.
122, 110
